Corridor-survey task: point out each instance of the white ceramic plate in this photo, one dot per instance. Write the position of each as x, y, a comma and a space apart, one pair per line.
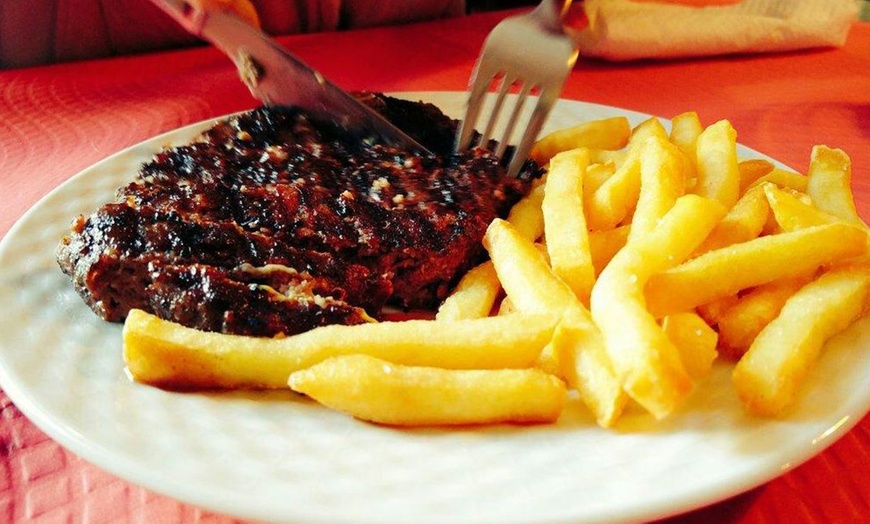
279, 457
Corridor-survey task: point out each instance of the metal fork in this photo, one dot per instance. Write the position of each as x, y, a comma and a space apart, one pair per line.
531, 52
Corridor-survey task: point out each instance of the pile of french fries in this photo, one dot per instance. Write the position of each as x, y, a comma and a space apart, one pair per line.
638, 259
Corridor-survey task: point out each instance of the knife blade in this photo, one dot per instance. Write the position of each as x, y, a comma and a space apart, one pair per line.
277, 78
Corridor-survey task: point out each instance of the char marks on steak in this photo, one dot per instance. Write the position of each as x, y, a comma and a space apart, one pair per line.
269, 223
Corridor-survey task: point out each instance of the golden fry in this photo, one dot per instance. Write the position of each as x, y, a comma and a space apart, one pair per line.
743, 222
791, 213
603, 245
695, 340
579, 348
751, 170
718, 174
616, 197
829, 183
728, 270
379, 391
169, 355
564, 223
608, 133
783, 178
526, 215
770, 374
712, 311
596, 175
685, 130
524, 273
663, 178
742, 322
474, 296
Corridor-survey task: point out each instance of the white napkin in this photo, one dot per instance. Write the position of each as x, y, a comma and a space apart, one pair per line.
627, 29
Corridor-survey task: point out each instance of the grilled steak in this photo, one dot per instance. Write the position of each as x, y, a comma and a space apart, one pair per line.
270, 223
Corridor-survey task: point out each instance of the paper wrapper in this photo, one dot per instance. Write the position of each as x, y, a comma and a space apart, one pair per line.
629, 29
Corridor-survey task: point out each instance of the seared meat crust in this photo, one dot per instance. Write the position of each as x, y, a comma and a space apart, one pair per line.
270, 223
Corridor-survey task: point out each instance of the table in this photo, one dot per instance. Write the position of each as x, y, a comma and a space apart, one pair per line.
57, 120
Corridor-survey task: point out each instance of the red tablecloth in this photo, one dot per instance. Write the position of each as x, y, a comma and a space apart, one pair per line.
55, 121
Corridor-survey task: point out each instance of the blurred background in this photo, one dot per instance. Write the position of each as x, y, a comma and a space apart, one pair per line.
34, 32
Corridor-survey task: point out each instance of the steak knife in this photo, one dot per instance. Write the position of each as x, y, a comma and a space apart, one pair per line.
278, 78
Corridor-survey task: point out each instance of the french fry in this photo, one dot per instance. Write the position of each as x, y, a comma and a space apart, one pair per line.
712, 311
564, 223
685, 130
596, 174
526, 215
473, 297
743, 222
663, 178
579, 348
616, 197
608, 133
606, 156
740, 324
751, 170
718, 173
169, 355
783, 178
728, 270
603, 245
506, 306
791, 213
644, 359
379, 391
770, 374
612, 202
695, 340
650, 127
533, 288
524, 273
829, 183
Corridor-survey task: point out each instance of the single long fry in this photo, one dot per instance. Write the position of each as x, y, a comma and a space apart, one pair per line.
608, 133
718, 174
473, 297
770, 374
169, 355
564, 223
829, 183
379, 391
645, 360
728, 270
